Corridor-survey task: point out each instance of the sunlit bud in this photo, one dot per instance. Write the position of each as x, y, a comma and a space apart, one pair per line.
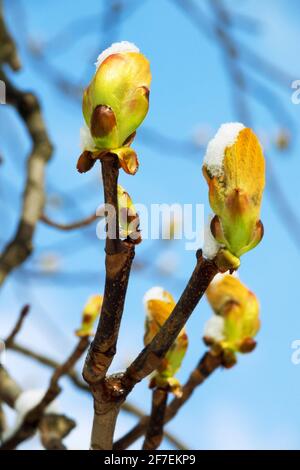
90, 313
235, 321
234, 169
115, 104
128, 217
222, 257
159, 304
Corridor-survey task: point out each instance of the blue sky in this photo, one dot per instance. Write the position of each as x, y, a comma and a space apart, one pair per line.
257, 403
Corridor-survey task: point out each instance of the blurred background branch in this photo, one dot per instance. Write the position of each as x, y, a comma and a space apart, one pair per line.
57, 64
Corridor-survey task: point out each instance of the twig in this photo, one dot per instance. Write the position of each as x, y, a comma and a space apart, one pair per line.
27, 105
155, 429
20, 247
2, 422
111, 393
71, 226
77, 381
118, 261
117, 387
47, 361
206, 366
11, 337
33, 417
53, 429
9, 389
150, 357
8, 50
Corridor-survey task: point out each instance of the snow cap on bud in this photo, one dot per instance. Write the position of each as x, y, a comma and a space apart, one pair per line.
159, 304
235, 321
234, 168
90, 313
116, 102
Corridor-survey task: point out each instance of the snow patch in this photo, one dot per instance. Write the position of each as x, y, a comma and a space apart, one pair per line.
215, 152
116, 48
86, 139
214, 328
155, 293
210, 245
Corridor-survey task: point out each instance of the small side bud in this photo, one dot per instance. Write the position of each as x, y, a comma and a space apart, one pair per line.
128, 217
235, 321
159, 305
91, 311
85, 162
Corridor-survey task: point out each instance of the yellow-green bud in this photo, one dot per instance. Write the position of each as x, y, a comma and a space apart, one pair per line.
90, 313
116, 102
234, 169
235, 322
128, 217
159, 304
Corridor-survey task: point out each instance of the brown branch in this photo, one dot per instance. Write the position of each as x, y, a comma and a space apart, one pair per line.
8, 50
49, 362
110, 392
118, 261
16, 329
206, 366
20, 247
28, 108
133, 435
149, 359
71, 226
155, 428
9, 389
33, 418
119, 386
53, 429
114, 390
77, 381
3, 423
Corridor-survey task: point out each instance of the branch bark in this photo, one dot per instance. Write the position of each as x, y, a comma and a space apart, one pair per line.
53, 429
206, 366
118, 261
114, 390
27, 105
33, 418
9, 389
155, 429
18, 326
8, 50
77, 382
71, 226
110, 392
3, 423
149, 359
